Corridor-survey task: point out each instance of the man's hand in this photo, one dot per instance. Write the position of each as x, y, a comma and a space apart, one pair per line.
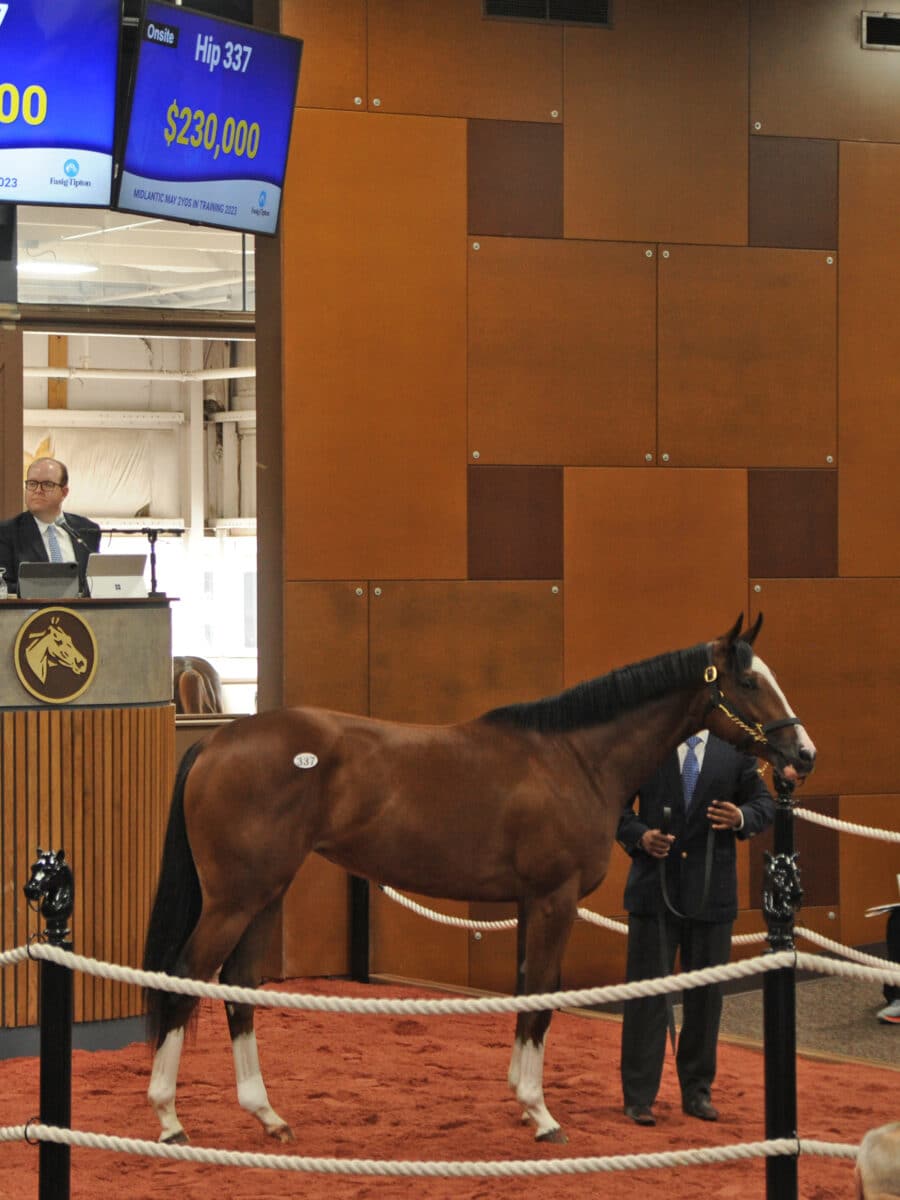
721, 814
656, 843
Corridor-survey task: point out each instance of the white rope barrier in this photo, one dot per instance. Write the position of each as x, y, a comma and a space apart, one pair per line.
884, 835
492, 1168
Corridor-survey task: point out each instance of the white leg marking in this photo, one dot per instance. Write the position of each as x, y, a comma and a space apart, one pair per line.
163, 1080
530, 1089
251, 1090
512, 1075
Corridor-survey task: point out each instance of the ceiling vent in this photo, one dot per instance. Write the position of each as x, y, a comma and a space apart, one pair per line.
879, 31
572, 12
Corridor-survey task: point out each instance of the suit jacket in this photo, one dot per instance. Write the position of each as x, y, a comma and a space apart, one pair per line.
725, 775
21, 541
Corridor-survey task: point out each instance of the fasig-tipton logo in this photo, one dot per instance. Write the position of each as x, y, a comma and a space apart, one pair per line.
162, 35
55, 655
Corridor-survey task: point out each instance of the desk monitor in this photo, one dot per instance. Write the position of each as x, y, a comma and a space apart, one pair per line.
48, 580
116, 576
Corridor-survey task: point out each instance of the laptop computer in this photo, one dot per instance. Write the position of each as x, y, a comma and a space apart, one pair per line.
116, 576
48, 581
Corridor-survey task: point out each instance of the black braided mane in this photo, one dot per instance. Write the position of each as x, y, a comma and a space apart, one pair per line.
598, 700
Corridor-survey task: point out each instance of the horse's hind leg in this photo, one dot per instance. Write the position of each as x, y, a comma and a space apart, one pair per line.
548, 922
242, 969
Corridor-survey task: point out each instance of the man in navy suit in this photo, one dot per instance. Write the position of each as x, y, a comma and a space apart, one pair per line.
682, 842
42, 533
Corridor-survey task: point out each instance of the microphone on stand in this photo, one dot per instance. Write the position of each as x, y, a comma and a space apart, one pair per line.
76, 537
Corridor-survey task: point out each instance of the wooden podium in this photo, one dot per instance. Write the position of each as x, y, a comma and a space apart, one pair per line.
86, 765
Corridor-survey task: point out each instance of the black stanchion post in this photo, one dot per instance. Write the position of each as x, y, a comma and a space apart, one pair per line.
782, 896
359, 929
52, 885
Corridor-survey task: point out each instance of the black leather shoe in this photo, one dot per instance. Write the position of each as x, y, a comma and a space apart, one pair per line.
641, 1114
701, 1108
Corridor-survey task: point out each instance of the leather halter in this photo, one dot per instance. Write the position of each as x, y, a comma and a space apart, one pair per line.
757, 733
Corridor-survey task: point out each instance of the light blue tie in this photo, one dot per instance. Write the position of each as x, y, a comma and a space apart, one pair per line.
55, 552
690, 771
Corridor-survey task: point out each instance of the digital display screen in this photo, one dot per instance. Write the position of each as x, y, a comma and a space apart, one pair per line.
209, 124
59, 62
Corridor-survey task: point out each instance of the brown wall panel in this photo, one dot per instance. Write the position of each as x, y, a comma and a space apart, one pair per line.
793, 193
869, 427
656, 124
326, 645
515, 523
793, 523
447, 651
374, 348
868, 867
456, 53
750, 378
515, 179
561, 352
834, 645
333, 67
809, 77
11, 390
655, 561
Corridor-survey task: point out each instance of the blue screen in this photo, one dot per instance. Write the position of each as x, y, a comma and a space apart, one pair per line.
210, 120
59, 63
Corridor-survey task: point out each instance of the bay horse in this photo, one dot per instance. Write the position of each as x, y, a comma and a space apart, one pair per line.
519, 805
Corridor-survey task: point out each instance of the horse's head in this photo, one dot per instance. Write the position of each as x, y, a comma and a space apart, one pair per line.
50, 884
747, 707
60, 648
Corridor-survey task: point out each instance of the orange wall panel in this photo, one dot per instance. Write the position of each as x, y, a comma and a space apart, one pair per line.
869, 867
869, 381
374, 348
333, 67
835, 645
656, 124
562, 349
427, 56
448, 651
747, 346
326, 645
810, 78
656, 560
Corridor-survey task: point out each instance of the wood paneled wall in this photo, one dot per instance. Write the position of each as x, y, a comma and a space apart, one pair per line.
95, 782
586, 338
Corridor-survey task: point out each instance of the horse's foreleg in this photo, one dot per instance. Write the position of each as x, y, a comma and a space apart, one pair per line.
161, 1092
549, 921
243, 970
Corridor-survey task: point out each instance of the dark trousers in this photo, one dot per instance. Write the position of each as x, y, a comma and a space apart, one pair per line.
891, 991
644, 1025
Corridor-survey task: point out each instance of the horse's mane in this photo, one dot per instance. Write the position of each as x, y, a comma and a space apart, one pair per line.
598, 700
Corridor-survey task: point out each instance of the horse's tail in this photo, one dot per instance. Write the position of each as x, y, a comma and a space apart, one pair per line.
176, 907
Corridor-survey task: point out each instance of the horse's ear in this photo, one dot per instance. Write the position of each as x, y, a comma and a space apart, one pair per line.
750, 635
732, 635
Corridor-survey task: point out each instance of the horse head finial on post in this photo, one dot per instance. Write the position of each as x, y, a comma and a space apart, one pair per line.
782, 894
52, 886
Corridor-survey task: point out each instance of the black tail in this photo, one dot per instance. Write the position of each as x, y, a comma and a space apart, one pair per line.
176, 907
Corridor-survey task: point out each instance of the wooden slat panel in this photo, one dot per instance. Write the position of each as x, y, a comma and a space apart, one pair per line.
868, 867
57, 356
838, 638
374, 361
333, 68
869, 380
750, 378
655, 560
656, 125
809, 78
455, 53
561, 352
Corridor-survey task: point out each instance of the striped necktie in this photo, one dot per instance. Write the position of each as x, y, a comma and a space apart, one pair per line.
690, 771
53, 543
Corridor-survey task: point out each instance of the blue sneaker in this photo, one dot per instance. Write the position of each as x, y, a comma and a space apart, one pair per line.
890, 1014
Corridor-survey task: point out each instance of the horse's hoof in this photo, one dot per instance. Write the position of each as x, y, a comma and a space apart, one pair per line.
179, 1138
552, 1135
281, 1133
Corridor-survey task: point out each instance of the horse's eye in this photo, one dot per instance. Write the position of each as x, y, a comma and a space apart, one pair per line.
748, 682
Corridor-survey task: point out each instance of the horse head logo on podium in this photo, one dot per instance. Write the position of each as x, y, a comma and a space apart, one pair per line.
55, 655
